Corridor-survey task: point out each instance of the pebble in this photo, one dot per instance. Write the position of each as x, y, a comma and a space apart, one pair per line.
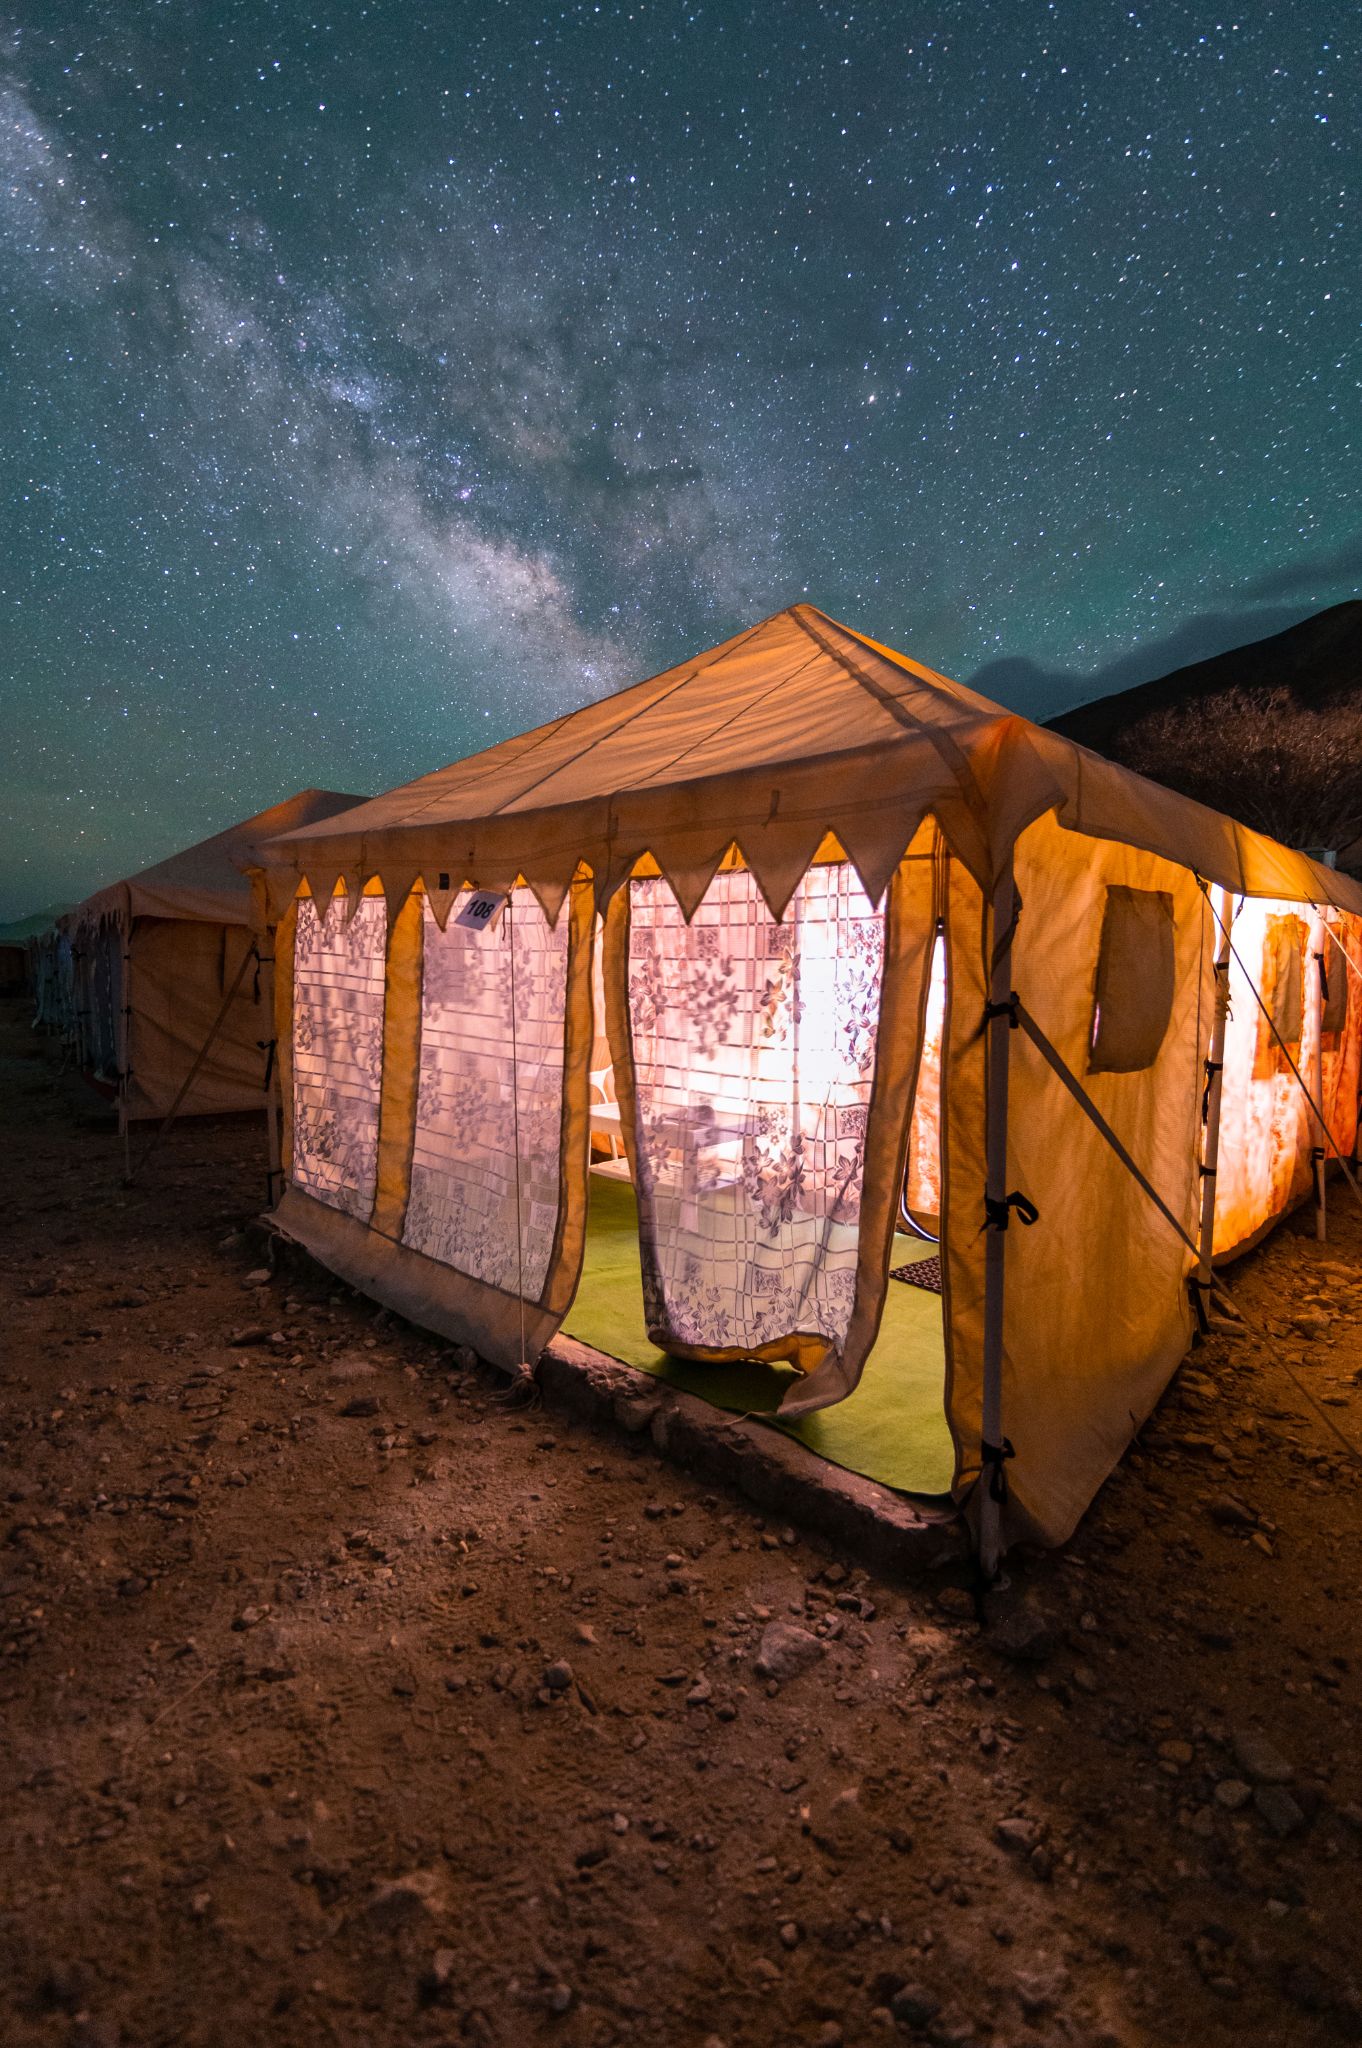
1232, 1793
1280, 1811
1017, 1835
785, 1651
914, 2005
1023, 1635
1260, 1759
791, 1934
558, 1675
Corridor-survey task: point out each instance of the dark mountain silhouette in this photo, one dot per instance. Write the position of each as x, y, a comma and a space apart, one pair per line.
1270, 732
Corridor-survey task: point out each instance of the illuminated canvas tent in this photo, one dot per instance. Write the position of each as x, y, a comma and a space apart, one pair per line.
808, 874
151, 961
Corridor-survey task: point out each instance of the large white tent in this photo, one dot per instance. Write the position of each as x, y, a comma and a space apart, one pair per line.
851, 922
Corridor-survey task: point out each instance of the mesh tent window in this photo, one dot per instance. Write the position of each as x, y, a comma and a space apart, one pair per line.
754, 1054
486, 1160
338, 979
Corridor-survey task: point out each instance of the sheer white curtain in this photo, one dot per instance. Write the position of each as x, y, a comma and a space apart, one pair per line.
754, 1053
490, 1093
338, 979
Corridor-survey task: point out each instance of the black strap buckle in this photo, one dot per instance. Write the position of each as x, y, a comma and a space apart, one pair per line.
267, 1046
1007, 1008
995, 1212
993, 1458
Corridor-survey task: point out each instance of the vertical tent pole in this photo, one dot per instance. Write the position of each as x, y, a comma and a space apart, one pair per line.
1210, 1144
1321, 1145
124, 1047
265, 942
995, 1236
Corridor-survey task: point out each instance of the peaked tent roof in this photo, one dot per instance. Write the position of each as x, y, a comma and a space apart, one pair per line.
207, 882
796, 727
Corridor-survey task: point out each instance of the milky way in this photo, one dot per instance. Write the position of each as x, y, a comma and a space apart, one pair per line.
378, 383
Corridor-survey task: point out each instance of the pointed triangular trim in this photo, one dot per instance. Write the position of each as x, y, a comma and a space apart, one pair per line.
322, 882
779, 860
689, 880
550, 893
441, 901
875, 844
398, 884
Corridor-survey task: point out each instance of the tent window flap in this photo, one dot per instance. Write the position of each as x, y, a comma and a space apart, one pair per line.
1133, 998
1281, 1021
338, 979
491, 1074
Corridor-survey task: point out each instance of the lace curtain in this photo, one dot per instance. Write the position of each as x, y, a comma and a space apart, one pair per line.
754, 1053
338, 978
476, 1100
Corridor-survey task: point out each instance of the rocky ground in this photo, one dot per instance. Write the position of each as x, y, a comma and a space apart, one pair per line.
343, 1703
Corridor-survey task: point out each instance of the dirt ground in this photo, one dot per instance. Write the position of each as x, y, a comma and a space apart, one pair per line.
343, 1703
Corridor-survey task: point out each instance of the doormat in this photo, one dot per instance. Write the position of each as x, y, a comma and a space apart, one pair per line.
921, 1273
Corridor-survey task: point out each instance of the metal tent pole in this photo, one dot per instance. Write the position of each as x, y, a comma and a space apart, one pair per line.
1321, 1146
1000, 1022
1210, 1113
124, 1045
265, 944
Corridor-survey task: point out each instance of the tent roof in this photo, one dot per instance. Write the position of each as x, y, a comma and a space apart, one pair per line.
207, 882
29, 927
794, 728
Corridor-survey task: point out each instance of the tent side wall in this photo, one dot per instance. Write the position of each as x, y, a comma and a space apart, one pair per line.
1096, 1309
179, 971
1268, 1131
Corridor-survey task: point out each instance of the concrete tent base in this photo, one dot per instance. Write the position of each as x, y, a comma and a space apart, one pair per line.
774, 1471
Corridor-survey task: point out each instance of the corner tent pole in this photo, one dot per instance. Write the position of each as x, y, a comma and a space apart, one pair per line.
124, 1043
1210, 1113
265, 941
1320, 1150
999, 1023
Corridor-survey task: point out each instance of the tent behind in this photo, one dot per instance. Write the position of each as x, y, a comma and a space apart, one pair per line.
842, 914
156, 958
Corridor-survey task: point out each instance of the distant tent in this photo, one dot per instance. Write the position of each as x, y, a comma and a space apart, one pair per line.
19, 949
874, 954
153, 959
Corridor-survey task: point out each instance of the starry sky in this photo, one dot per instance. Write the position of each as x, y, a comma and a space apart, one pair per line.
381, 379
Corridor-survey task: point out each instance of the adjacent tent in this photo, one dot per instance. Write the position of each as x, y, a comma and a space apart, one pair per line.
871, 951
152, 960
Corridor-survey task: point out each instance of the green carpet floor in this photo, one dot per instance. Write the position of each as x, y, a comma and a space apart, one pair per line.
893, 1428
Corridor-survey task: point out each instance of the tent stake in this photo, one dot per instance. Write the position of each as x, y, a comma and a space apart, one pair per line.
992, 1483
1215, 1074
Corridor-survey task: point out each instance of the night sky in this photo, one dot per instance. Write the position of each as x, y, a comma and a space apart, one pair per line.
380, 380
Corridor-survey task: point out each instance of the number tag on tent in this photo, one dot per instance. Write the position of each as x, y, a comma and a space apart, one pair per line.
482, 910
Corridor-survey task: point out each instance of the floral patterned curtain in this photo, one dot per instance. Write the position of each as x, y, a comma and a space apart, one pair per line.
753, 1055
480, 1103
338, 978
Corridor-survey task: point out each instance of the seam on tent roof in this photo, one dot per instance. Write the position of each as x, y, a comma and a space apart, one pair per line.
959, 693
694, 670
554, 727
949, 749
782, 682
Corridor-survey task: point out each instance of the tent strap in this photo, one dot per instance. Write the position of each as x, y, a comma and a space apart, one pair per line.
1089, 1108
